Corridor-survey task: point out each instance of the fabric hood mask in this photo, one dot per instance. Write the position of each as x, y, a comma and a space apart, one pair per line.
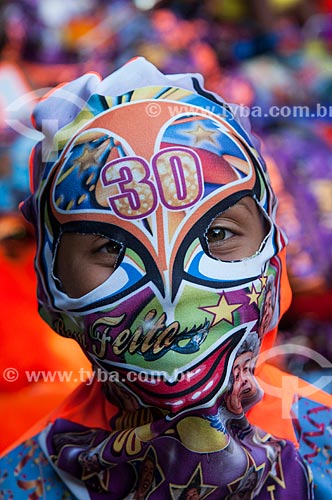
150, 166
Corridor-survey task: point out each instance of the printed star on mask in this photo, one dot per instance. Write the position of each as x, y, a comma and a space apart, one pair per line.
202, 134
263, 280
195, 483
253, 295
222, 311
277, 473
90, 156
273, 449
92, 471
249, 482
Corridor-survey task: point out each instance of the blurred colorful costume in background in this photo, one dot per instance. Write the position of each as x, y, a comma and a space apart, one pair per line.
149, 160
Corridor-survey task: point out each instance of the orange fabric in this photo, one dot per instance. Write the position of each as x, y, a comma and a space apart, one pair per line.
28, 344
22, 408
86, 405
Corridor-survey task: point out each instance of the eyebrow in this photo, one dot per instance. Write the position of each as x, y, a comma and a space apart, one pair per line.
95, 237
247, 359
244, 202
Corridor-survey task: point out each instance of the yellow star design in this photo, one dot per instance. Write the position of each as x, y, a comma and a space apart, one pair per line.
263, 280
222, 311
253, 295
89, 156
196, 480
235, 486
202, 134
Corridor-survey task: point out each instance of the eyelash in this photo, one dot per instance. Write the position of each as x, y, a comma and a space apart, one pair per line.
110, 247
226, 234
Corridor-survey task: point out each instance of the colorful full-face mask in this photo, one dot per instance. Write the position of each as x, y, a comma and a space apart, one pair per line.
150, 167
174, 301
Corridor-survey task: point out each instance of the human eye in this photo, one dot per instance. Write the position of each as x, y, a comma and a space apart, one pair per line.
105, 252
221, 237
236, 233
109, 247
216, 233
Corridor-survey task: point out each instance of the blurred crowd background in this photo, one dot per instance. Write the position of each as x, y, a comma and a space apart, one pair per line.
262, 54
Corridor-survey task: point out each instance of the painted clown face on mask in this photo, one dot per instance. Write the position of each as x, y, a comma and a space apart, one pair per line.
156, 243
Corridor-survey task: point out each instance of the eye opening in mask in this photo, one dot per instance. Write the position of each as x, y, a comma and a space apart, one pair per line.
84, 261
238, 232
